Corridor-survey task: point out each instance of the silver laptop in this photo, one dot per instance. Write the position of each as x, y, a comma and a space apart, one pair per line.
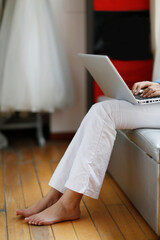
110, 81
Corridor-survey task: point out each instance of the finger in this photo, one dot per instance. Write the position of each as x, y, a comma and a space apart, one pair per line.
139, 87
155, 94
148, 93
146, 90
134, 88
145, 84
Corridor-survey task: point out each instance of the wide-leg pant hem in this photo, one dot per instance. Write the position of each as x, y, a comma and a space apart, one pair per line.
87, 192
58, 188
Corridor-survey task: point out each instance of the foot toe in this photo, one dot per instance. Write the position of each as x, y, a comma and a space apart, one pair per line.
35, 222
19, 211
27, 219
40, 223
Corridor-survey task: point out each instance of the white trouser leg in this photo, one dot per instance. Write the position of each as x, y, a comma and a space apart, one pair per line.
83, 166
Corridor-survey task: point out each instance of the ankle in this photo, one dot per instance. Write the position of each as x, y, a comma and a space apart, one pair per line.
71, 200
69, 207
55, 193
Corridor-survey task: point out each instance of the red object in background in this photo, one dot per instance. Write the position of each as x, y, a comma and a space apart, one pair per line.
131, 72
120, 5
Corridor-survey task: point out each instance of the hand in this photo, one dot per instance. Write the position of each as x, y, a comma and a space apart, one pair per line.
152, 89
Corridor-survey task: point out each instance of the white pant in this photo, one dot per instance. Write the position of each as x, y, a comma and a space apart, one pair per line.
83, 166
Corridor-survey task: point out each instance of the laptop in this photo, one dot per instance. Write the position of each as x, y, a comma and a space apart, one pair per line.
110, 81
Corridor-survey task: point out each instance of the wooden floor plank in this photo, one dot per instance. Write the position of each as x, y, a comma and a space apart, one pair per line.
53, 152
127, 225
17, 229
108, 194
32, 194
136, 215
56, 151
24, 155
84, 227
54, 165
42, 164
11, 168
67, 233
45, 187
43, 167
0, 156
26, 176
44, 172
2, 204
106, 226
3, 227
41, 233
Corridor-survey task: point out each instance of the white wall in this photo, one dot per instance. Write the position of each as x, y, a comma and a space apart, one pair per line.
155, 22
155, 30
71, 19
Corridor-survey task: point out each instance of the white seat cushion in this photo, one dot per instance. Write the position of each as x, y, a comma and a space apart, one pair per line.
148, 139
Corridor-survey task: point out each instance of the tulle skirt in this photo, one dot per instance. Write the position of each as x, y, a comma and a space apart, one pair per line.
34, 74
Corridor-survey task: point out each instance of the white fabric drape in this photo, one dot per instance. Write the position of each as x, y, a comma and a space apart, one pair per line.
155, 36
34, 74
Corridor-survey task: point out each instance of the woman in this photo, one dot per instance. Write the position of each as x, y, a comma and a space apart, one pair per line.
83, 166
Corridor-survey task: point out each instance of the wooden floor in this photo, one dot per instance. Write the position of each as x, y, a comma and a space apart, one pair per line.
25, 170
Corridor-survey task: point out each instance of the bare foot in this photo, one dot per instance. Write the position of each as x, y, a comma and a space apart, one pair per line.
58, 212
52, 197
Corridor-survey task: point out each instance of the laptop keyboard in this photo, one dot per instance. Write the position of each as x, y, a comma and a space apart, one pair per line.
138, 97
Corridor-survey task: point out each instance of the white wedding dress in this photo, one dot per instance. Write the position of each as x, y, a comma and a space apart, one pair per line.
34, 74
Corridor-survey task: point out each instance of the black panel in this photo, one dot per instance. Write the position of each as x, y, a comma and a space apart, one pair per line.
90, 44
122, 35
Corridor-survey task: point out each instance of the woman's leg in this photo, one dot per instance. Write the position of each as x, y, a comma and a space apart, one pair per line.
84, 164
82, 170
54, 194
